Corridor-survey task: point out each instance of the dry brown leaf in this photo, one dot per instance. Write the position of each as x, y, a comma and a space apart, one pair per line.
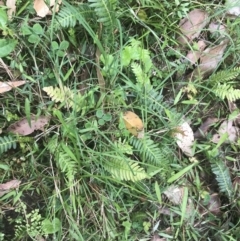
194, 55
174, 194
156, 237
6, 187
233, 7
133, 124
210, 59
42, 9
22, 127
214, 204
202, 130
227, 127
6, 86
11, 4
192, 25
184, 137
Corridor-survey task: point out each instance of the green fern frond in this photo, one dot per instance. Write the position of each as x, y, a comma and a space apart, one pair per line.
67, 165
126, 169
105, 10
66, 18
6, 143
148, 150
138, 72
223, 177
227, 91
154, 100
224, 76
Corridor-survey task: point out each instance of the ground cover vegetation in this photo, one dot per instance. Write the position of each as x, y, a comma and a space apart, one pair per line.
119, 120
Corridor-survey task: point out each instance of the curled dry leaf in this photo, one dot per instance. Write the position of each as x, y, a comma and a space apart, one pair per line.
209, 60
227, 127
192, 25
202, 130
133, 124
42, 9
11, 4
194, 55
174, 194
185, 138
7, 86
22, 127
6, 187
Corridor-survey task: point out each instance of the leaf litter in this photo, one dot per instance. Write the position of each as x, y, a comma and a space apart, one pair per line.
23, 128
8, 186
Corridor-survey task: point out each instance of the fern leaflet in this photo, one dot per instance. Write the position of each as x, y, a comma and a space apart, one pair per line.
223, 177
148, 150
105, 11
126, 169
227, 91
6, 143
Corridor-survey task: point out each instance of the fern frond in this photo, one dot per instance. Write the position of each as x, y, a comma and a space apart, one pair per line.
6, 143
224, 76
154, 100
105, 10
227, 91
66, 18
126, 169
148, 150
67, 165
223, 177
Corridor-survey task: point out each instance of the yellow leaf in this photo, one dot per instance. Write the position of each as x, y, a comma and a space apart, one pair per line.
133, 123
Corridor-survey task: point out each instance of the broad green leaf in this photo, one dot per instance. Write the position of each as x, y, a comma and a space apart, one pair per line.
50, 227
37, 29
64, 45
3, 18
7, 46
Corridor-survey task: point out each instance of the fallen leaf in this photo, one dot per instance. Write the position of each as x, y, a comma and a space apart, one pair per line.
194, 55
6, 86
11, 4
227, 127
214, 204
42, 9
156, 237
233, 7
202, 130
185, 138
209, 60
192, 25
133, 124
22, 127
6, 187
174, 194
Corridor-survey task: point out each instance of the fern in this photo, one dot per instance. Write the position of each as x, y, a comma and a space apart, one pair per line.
105, 10
126, 169
6, 143
223, 177
66, 18
71, 100
224, 76
221, 85
227, 91
148, 150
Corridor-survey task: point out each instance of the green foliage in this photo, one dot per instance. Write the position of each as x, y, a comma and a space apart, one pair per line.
6, 143
221, 85
70, 99
223, 178
125, 169
105, 10
149, 151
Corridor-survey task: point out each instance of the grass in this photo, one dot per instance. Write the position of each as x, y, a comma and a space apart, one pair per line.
86, 177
